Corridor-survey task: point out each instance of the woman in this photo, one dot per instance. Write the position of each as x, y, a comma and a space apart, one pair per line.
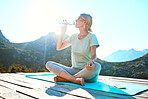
83, 50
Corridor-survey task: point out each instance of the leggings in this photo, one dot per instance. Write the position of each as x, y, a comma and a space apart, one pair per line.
88, 75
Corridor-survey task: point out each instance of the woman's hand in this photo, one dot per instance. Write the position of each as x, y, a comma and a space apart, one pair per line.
63, 26
90, 65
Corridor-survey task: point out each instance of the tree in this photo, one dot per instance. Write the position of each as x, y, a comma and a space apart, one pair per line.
29, 70
24, 69
2, 68
12, 69
33, 68
39, 69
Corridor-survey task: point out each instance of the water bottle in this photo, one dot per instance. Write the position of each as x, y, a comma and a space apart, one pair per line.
69, 23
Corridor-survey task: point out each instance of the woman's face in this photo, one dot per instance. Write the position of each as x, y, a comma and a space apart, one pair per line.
80, 22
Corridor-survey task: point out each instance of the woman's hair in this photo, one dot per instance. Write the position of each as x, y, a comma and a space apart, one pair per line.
89, 21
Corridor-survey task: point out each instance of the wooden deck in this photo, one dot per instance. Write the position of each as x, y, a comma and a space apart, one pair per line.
17, 86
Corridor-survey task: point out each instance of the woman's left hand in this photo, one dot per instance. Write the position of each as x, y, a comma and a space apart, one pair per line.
90, 65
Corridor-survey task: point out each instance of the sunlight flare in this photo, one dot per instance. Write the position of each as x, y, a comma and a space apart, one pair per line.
43, 17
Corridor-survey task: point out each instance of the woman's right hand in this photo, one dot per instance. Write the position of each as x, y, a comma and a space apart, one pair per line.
63, 26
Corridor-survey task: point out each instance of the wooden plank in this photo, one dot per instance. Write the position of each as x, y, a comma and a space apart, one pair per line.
108, 79
40, 93
39, 85
63, 88
24, 91
68, 90
142, 95
8, 93
35, 93
79, 91
36, 83
129, 80
125, 80
101, 77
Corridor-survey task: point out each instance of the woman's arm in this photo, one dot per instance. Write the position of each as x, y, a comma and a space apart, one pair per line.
62, 45
90, 64
93, 53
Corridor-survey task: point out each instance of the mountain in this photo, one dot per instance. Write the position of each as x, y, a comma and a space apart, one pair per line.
3, 37
125, 55
45, 46
37, 53
137, 68
34, 53
11, 55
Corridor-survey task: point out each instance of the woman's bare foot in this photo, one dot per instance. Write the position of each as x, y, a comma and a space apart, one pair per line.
80, 81
60, 79
77, 75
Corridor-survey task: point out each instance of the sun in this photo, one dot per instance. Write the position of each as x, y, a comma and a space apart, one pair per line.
43, 17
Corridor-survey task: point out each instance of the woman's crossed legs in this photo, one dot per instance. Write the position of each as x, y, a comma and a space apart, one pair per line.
68, 74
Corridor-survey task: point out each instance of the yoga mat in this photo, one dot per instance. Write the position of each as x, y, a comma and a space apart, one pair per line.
107, 86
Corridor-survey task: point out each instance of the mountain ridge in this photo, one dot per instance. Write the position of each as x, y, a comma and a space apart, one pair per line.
125, 55
43, 49
38, 52
3, 37
137, 68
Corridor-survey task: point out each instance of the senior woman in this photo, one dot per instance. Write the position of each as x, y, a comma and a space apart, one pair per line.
83, 54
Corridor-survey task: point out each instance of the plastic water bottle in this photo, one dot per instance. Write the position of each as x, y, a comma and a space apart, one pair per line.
68, 23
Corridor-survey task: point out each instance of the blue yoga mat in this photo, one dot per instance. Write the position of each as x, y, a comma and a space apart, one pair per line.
107, 86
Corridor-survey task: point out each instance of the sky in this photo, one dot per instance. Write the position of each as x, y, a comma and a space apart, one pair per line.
118, 24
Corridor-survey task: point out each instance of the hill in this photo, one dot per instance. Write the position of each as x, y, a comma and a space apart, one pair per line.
137, 68
11, 55
3, 37
45, 46
37, 53
125, 55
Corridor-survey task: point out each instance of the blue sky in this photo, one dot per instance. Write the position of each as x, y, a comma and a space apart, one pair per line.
118, 24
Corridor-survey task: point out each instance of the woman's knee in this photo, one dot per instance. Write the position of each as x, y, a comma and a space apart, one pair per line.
95, 73
49, 64
97, 66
